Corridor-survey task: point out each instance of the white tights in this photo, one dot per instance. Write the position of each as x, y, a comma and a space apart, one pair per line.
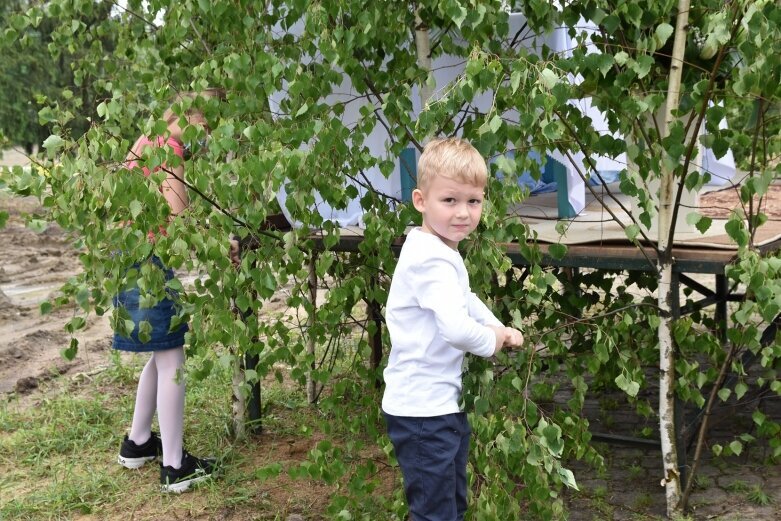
161, 388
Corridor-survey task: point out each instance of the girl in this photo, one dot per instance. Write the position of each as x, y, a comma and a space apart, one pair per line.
161, 385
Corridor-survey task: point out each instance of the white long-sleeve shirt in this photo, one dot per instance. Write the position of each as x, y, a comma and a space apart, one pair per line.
433, 319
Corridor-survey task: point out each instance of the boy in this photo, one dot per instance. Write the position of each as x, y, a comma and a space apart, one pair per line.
433, 319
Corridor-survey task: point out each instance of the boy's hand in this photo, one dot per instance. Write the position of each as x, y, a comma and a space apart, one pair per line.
235, 253
513, 338
506, 337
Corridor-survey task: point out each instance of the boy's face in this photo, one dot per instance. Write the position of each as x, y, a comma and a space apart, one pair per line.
451, 209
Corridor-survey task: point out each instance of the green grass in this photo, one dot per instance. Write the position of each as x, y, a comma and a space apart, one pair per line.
703, 482
58, 457
58, 452
758, 496
636, 471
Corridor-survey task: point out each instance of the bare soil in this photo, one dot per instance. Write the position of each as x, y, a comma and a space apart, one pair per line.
33, 266
720, 204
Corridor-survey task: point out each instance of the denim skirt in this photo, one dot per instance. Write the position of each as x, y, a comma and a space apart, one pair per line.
159, 318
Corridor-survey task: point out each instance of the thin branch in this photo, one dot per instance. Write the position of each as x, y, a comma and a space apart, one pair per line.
213, 203
407, 131
704, 425
200, 37
760, 118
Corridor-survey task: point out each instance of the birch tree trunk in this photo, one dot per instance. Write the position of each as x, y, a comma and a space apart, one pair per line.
423, 48
239, 406
311, 385
667, 427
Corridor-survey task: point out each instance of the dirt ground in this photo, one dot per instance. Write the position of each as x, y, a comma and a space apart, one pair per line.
720, 203
32, 268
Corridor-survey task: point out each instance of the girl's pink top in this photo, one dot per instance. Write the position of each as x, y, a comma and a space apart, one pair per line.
144, 142
132, 162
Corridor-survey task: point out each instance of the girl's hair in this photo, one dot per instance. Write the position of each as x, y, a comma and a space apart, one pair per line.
453, 158
169, 115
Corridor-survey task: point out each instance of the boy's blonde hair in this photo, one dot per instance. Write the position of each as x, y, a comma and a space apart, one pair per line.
452, 158
169, 115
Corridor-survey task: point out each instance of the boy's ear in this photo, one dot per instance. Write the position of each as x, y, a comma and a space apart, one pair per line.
417, 200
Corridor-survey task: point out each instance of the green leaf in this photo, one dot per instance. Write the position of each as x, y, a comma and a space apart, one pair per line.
548, 78
737, 232
740, 390
642, 65
46, 115
629, 387
503, 444
38, 225
53, 143
632, 231
704, 224
724, 394
534, 456
82, 298
557, 250
611, 23
736, 447
75, 324
701, 222
663, 32
69, 353
743, 315
771, 311
515, 80
144, 331
457, 13
3, 218
495, 124
269, 471
135, 208
568, 478
604, 63
481, 406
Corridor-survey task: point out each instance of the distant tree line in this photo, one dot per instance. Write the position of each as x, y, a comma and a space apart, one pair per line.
35, 72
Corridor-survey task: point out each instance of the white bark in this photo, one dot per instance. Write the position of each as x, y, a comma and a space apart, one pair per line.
311, 385
423, 48
239, 409
667, 428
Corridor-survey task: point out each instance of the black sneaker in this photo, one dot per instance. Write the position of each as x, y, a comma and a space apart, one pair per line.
133, 456
193, 470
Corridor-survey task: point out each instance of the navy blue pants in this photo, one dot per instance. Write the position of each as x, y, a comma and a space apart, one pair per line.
432, 453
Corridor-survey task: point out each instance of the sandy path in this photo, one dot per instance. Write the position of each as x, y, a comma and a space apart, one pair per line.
33, 266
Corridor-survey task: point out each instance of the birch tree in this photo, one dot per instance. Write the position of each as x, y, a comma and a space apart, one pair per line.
667, 425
